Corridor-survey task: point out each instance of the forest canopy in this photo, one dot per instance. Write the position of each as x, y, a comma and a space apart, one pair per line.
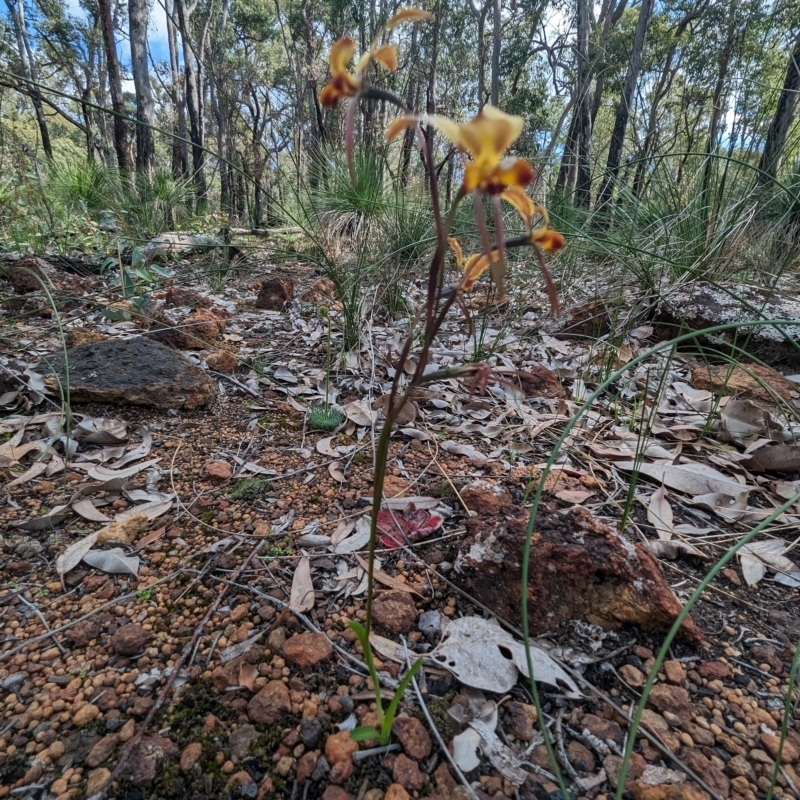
213, 106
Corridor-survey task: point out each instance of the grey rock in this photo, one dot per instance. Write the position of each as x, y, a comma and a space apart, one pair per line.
311, 731
146, 759
135, 372
321, 770
241, 739
702, 305
430, 623
249, 790
13, 683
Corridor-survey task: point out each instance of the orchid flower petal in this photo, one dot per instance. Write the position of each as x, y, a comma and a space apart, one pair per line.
456, 248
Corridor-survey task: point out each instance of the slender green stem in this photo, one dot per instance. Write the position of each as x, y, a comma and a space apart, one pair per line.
381, 457
328, 368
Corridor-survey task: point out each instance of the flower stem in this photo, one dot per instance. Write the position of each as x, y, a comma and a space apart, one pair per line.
328, 369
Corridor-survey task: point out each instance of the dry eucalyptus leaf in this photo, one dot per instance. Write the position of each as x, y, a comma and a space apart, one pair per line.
283, 374
144, 496
743, 418
16, 452
360, 413
74, 554
86, 509
419, 502
474, 455
100, 430
324, 447
692, 478
142, 450
387, 580
358, 540
239, 649
47, 521
151, 510
104, 456
573, 496
659, 514
775, 458
758, 557
413, 433
313, 540
32, 472
406, 415
343, 529
482, 655
102, 473
151, 537
301, 597
114, 561
545, 669
725, 505
335, 471
388, 648
687, 529
786, 490
671, 549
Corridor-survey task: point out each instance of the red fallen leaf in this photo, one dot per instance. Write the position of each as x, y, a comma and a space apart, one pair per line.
404, 527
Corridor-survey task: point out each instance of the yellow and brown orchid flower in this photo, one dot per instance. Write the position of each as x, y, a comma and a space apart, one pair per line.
474, 266
486, 138
347, 84
544, 236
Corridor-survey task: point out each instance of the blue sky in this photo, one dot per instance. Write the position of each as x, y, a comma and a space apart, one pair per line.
157, 35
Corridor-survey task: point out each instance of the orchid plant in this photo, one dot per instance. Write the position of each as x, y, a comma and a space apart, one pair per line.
488, 173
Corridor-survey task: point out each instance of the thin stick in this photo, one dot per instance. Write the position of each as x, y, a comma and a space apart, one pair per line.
44, 622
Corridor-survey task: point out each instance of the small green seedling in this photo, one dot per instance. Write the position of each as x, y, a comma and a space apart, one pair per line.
324, 418
385, 718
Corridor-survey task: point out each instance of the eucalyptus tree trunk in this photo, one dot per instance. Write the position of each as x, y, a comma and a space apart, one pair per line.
496, 44
480, 15
717, 107
114, 86
659, 93
29, 72
430, 105
219, 105
583, 119
193, 101
624, 106
180, 150
784, 114
610, 15
574, 167
316, 128
412, 96
145, 111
